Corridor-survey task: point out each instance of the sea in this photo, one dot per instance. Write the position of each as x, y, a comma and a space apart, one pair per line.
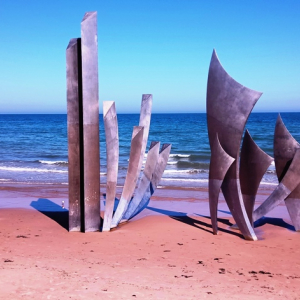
34, 147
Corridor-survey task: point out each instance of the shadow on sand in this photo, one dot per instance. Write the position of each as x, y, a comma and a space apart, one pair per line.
265, 220
53, 211
184, 218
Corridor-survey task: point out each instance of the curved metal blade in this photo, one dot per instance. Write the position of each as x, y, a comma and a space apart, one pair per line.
254, 163
228, 107
289, 182
112, 159
152, 158
131, 176
156, 177
285, 147
219, 164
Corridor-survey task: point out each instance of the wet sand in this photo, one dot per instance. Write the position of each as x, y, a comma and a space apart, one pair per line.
167, 252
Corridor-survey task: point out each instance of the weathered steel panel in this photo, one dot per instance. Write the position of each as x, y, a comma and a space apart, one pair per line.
254, 163
219, 164
112, 159
131, 176
73, 58
152, 158
228, 107
90, 104
156, 177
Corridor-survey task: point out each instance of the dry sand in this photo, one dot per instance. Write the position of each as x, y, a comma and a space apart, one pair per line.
169, 252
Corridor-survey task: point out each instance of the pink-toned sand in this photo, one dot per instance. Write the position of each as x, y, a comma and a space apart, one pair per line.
167, 253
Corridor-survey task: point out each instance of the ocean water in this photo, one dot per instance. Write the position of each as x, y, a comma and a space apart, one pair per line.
34, 148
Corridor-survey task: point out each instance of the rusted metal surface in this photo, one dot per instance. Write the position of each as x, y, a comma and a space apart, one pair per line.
112, 160
254, 163
131, 176
152, 159
156, 177
219, 165
90, 110
228, 107
73, 58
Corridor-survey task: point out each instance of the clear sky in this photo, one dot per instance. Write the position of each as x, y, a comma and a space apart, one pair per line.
162, 47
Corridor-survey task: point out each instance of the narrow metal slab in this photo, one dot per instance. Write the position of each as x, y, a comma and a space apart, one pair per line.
254, 163
152, 159
90, 103
145, 119
228, 107
131, 176
73, 58
156, 177
112, 159
219, 164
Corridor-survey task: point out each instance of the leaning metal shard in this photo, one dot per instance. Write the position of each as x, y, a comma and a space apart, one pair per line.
156, 177
254, 163
219, 165
131, 176
287, 163
145, 118
228, 107
90, 115
112, 159
73, 56
152, 158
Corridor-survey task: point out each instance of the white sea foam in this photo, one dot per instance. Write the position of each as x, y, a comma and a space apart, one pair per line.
17, 169
172, 162
49, 162
180, 155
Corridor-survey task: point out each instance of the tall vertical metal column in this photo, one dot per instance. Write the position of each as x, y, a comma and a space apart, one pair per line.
83, 128
74, 109
90, 110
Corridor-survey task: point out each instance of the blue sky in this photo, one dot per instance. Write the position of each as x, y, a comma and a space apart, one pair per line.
157, 46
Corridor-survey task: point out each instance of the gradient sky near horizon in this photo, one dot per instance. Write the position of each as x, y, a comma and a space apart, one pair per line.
162, 47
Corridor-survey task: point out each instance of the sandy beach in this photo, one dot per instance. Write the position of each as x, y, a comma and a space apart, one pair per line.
167, 252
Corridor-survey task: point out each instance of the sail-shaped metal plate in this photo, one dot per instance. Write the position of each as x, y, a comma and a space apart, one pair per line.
131, 176
254, 163
152, 158
228, 107
112, 159
219, 164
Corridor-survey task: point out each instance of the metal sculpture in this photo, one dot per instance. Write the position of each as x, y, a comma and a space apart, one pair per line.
132, 174
74, 134
287, 163
228, 107
219, 165
112, 160
254, 163
152, 158
145, 118
83, 130
155, 179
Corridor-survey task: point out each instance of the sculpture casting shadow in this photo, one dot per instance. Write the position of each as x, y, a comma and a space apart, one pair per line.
184, 218
274, 221
53, 211
266, 220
